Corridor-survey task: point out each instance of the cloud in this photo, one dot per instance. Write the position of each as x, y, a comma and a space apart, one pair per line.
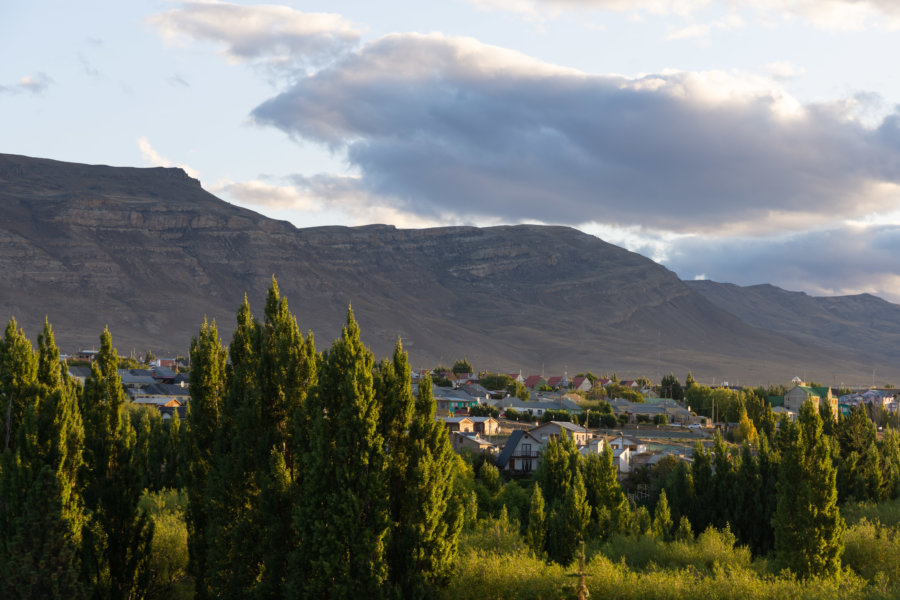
154, 158
837, 261
33, 84
261, 193
704, 30
277, 37
451, 126
826, 14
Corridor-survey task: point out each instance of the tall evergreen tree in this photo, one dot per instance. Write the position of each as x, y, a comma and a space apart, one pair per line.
808, 526
207, 385
424, 529
567, 523
40, 508
662, 518
609, 506
18, 372
342, 515
253, 471
116, 546
537, 522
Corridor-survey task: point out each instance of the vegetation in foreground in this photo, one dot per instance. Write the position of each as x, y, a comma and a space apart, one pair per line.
306, 474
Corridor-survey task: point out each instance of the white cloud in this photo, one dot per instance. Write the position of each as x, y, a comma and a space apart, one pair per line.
825, 14
154, 158
275, 36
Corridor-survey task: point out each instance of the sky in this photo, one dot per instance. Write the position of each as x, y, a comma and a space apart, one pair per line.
745, 141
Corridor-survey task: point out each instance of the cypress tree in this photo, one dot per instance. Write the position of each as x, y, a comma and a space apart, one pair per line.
41, 514
808, 525
425, 529
342, 516
559, 464
567, 523
662, 518
535, 534
610, 508
117, 539
18, 373
207, 385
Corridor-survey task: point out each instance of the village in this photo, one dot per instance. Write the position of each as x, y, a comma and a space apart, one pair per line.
636, 420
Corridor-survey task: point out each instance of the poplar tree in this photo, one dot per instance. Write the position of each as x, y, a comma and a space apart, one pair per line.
207, 385
117, 537
662, 518
253, 473
342, 515
808, 525
18, 372
610, 509
567, 523
535, 534
424, 528
40, 508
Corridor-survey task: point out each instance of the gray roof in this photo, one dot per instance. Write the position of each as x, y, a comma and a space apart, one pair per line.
522, 405
511, 443
166, 389
84, 372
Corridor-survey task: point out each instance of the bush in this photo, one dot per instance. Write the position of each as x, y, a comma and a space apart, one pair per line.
871, 550
168, 552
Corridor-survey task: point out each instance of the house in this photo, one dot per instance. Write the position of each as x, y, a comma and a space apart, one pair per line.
485, 425
622, 460
461, 424
581, 384
624, 441
795, 398
536, 408
87, 355
158, 392
163, 374
449, 401
470, 442
533, 382
521, 454
80, 374
475, 390
517, 377
544, 432
164, 362
595, 446
130, 380
554, 383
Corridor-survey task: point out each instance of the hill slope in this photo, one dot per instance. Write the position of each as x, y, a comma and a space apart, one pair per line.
149, 252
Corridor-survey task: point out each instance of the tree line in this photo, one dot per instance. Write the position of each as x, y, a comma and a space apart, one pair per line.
308, 474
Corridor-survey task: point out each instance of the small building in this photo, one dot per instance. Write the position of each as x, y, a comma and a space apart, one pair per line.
460, 424
595, 446
794, 399
582, 384
470, 442
544, 432
521, 454
485, 425
625, 441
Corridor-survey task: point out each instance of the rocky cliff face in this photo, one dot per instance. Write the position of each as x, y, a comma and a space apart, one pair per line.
150, 253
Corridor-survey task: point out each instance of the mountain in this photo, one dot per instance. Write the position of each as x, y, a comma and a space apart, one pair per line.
150, 253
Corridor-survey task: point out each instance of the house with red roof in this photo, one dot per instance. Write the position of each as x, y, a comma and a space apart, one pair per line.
581, 384
533, 382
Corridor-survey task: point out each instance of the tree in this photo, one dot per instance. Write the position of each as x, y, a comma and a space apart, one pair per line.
118, 536
462, 367
342, 515
671, 388
42, 513
662, 519
808, 525
567, 523
610, 509
422, 541
207, 395
535, 534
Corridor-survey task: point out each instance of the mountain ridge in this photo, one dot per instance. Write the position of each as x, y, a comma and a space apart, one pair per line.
150, 253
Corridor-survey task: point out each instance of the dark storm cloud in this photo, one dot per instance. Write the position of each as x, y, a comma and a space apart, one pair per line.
443, 124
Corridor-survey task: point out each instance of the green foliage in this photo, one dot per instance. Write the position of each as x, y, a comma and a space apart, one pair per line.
670, 387
662, 519
117, 539
462, 367
537, 517
484, 410
169, 551
495, 381
808, 524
